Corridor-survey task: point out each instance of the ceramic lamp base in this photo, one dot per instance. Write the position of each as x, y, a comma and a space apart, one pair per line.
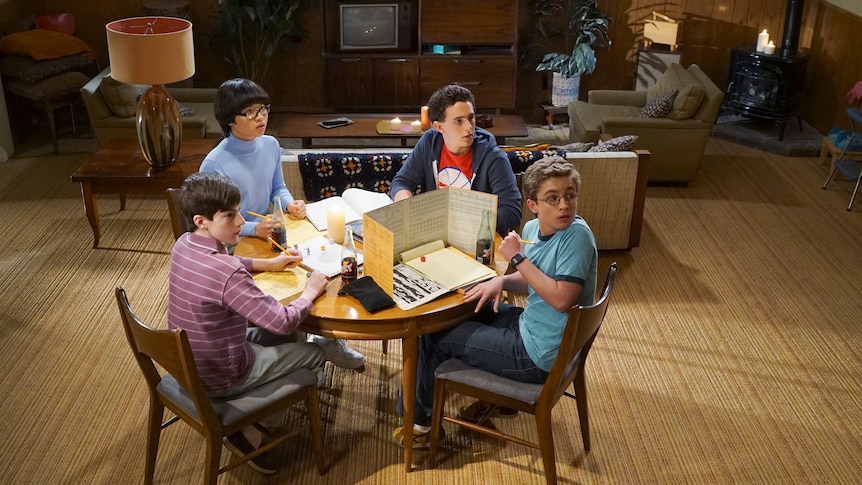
159, 130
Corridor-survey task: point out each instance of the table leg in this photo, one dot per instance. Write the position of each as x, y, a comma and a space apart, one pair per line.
409, 355
90, 210
306, 142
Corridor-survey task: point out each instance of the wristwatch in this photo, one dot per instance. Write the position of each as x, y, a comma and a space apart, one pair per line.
517, 259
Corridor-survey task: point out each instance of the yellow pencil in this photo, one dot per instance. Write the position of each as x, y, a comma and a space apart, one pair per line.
525, 242
258, 215
277, 245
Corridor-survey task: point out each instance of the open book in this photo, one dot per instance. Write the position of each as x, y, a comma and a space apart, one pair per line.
432, 270
354, 201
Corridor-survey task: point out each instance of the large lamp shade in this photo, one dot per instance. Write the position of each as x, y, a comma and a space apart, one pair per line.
154, 51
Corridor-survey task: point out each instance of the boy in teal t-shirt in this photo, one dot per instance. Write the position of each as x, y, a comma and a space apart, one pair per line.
558, 271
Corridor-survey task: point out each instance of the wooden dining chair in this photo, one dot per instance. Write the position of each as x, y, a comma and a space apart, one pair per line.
454, 376
178, 223
181, 391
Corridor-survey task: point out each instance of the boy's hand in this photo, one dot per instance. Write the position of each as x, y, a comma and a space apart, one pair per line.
297, 208
511, 245
315, 286
289, 259
486, 291
263, 228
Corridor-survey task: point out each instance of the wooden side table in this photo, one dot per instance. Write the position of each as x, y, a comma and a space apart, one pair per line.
118, 167
551, 111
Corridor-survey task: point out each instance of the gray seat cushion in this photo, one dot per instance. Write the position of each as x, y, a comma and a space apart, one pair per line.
456, 371
586, 118
233, 410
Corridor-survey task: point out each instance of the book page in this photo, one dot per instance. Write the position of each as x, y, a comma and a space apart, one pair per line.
363, 201
411, 289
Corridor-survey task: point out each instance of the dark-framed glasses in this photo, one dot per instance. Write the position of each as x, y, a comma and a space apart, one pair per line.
253, 113
554, 200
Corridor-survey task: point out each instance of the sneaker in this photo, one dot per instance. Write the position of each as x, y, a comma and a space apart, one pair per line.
421, 441
239, 445
480, 411
339, 353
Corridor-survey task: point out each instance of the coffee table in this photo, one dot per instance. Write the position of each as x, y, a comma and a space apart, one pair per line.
118, 167
305, 126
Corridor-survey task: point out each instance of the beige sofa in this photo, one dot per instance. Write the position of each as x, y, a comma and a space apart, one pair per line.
111, 108
676, 142
611, 201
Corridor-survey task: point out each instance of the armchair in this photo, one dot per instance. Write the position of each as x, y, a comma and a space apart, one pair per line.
676, 142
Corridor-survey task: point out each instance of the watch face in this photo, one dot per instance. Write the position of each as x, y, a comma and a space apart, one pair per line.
516, 260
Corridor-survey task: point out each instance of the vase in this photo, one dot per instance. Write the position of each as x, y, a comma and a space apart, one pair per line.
565, 90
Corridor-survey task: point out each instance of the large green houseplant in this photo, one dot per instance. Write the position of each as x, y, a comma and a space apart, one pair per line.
250, 32
576, 25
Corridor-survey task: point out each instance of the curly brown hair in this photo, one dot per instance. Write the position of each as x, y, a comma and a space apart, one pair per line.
545, 168
445, 97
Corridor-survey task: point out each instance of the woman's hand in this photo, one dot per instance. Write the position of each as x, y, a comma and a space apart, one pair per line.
486, 291
297, 208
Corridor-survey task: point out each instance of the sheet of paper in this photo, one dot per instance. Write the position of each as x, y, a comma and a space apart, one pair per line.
285, 285
451, 268
412, 289
323, 255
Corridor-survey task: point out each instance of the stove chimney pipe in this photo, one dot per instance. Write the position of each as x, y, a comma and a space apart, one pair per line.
792, 26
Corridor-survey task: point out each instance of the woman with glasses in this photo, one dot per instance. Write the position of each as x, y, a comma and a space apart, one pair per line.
252, 160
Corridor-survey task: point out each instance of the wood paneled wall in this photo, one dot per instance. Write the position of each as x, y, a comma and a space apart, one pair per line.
710, 28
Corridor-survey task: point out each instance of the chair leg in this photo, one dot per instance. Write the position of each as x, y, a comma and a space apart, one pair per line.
385, 344
154, 431
831, 174
440, 395
583, 414
213, 457
312, 405
52, 125
855, 191
546, 444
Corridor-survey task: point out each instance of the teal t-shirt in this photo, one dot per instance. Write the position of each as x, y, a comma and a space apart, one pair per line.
567, 255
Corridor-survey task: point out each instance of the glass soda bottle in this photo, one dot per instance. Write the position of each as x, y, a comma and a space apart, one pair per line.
349, 266
484, 238
278, 232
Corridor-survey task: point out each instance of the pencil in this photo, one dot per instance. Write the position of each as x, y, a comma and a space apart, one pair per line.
525, 242
277, 245
258, 215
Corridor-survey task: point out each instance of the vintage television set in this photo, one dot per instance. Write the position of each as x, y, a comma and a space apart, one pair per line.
378, 25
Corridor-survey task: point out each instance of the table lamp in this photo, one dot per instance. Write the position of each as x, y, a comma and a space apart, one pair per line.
154, 51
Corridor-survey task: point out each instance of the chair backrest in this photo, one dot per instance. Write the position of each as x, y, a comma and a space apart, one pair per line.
178, 223
581, 329
59, 22
171, 350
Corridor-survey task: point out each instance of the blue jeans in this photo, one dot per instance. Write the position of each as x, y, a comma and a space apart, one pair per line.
490, 341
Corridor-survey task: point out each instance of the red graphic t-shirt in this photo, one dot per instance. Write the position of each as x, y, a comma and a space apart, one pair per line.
455, 170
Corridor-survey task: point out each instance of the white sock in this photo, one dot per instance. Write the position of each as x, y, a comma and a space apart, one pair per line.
421, 429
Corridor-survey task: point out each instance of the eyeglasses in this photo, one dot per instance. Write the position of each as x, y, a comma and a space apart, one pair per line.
554, 200
253, 113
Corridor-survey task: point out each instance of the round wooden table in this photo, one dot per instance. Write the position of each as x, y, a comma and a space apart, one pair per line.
344, 317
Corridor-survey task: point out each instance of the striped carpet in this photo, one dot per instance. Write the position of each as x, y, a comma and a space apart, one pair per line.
731, 353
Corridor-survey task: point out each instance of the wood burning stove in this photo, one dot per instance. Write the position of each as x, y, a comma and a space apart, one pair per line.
769, 86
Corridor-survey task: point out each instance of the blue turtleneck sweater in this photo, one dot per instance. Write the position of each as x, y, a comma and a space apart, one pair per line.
255, 166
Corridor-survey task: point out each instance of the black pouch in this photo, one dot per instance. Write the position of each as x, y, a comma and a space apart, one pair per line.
369, 293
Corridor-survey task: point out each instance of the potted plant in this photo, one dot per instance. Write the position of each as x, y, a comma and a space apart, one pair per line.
250, 32
578, 25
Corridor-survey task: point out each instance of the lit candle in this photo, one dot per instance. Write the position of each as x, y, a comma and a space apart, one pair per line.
416, 127
762, 41
769, 49
426, 122
335, 223
395, 124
